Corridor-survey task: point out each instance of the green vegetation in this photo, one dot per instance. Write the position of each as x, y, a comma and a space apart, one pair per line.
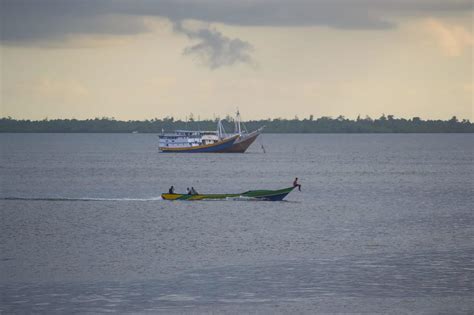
384, 124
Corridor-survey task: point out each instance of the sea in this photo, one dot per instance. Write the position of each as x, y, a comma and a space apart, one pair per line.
384, 223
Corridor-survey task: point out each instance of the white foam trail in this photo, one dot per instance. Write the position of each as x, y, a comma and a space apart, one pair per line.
243, 198
80, 199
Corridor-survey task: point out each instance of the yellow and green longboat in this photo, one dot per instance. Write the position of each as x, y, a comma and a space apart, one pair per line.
270, 195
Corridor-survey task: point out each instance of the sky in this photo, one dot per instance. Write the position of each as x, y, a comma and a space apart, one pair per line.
144, 59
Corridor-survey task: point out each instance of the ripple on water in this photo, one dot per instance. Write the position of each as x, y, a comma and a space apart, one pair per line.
425, 274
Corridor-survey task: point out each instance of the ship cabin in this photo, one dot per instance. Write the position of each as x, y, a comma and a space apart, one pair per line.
186, 139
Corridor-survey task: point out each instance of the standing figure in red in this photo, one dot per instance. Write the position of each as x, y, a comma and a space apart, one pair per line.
295, 184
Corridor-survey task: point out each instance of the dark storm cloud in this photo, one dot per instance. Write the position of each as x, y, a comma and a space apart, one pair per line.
214, 49
29, 21
44, 19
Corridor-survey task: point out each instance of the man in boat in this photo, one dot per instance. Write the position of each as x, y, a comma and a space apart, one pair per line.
171, 190
189, 191
295, 184
193, 191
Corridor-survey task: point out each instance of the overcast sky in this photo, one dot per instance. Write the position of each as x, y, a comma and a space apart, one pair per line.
142, 59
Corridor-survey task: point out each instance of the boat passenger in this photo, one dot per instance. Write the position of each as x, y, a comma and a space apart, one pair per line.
295, 184
189, 191
193, 191
171, 190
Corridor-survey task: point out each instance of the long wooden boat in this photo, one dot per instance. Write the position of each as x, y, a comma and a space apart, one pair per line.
270, 195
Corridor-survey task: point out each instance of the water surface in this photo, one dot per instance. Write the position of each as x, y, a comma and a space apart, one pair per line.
384, 224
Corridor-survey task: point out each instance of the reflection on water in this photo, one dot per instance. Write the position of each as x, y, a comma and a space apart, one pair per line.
426, 274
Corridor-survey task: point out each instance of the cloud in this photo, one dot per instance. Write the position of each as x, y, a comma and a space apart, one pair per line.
33, 22
24, 20
452, 39
214, 49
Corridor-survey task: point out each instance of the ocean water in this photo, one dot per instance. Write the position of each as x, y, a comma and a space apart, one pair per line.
384, 224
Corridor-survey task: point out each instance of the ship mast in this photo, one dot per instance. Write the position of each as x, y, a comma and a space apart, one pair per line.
220, 130
237, 128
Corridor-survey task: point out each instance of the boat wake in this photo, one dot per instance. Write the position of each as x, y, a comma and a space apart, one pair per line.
243, 198
79, 199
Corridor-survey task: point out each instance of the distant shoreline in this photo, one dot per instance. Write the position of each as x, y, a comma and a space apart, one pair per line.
267, 133
323, 125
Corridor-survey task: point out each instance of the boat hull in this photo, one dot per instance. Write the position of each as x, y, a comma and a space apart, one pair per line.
243, 143
269, 195
218, 147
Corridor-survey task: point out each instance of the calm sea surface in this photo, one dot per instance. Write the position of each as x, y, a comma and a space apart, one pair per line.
384, 223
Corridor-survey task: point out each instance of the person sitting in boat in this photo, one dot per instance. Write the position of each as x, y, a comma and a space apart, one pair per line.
171, 190
189, 191
193, 191
295, 184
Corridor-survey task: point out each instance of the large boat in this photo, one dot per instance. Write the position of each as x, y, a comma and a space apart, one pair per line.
184, 141
269, 195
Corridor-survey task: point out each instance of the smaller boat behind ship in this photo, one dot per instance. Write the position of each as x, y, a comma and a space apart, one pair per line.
269, 195
245, 138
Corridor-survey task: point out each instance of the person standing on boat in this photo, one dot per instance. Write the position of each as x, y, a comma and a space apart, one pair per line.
295, 184
171, 190
193, 191
189, 191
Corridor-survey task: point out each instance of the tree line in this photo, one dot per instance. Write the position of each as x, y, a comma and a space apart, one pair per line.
383, 124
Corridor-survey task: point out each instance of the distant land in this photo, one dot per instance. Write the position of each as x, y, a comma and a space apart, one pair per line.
383, 124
